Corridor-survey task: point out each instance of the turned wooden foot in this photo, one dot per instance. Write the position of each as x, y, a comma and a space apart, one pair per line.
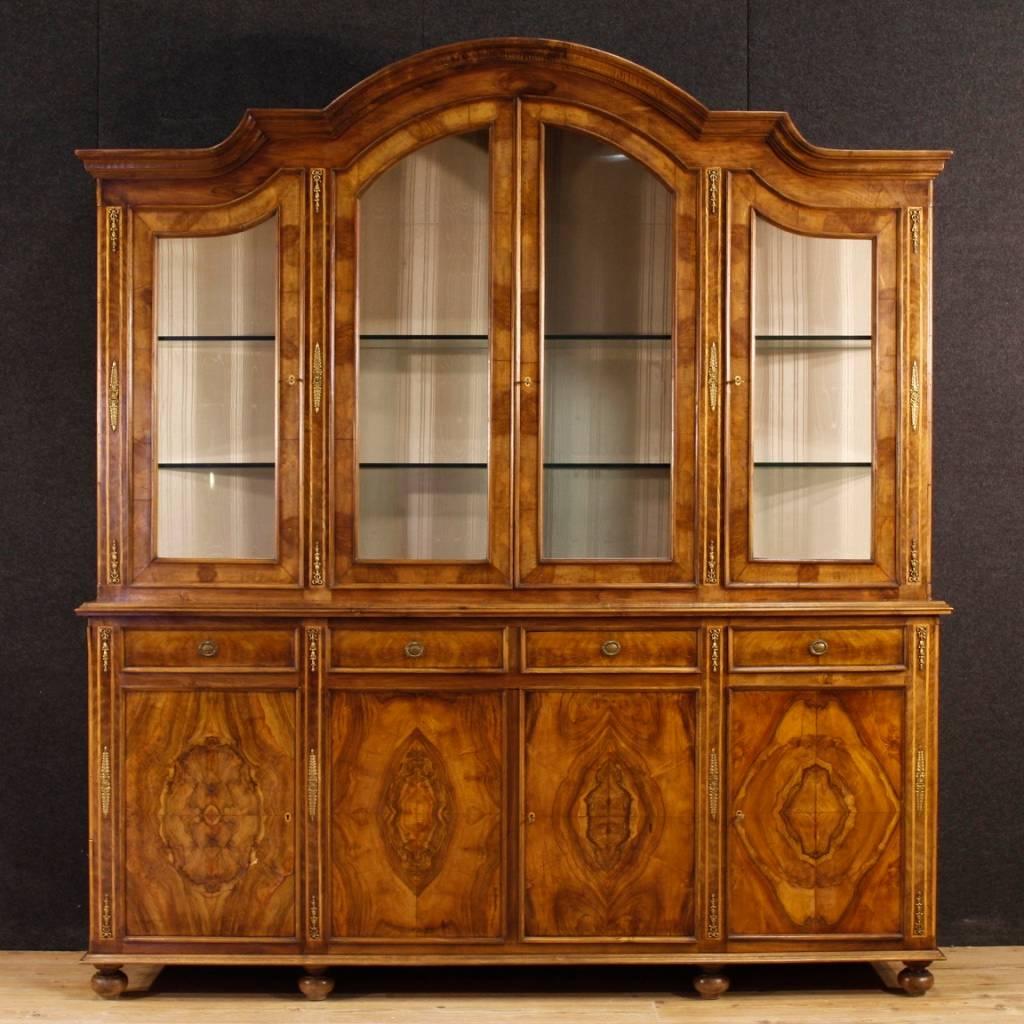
915, 979
316, 983
109, 982
711, 983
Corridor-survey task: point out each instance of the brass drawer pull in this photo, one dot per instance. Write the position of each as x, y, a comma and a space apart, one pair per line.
818, 647
414, 649
610, 648
207, 649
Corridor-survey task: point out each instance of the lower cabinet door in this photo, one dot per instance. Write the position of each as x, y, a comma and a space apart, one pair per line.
210, 815
417, 797
609, 800
815, 837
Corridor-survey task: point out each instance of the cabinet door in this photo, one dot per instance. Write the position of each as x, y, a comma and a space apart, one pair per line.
815, 786
417, 797
424, 318
812, 460
215, 398
606, 391
210, 813
609, 800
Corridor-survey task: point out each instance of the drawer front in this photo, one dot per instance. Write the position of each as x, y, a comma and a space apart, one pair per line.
613, 650
210, 650
418, 650
810, 648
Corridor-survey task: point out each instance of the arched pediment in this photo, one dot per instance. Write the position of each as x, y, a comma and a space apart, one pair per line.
501, 68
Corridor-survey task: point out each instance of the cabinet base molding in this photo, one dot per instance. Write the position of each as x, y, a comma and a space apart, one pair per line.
322, 962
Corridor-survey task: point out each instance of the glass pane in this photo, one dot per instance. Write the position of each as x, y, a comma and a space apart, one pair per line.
812, 415
216, 388
607, 379
424, 354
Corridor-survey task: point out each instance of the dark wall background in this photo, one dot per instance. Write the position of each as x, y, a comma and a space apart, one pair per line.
853, 73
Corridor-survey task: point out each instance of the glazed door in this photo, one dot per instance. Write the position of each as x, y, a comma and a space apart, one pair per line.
211, 849
606, 383
815, 840
812, 462
416, 792
215, 394
609, 830
423, 367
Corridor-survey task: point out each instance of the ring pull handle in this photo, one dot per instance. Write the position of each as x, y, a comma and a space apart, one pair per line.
414, 649
610, 648
208, 649
818, 647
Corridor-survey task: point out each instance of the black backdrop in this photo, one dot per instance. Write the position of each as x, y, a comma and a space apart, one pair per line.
853, 73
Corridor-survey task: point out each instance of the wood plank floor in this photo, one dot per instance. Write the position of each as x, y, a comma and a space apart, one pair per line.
977, 985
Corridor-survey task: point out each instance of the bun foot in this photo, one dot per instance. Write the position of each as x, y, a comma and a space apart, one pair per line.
109, 982
915, 979
316, 984
711, 983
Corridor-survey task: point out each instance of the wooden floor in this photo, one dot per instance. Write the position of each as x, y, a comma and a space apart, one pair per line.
978, 985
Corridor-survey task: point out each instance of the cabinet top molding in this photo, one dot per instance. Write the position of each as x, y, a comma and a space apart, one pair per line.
503, 69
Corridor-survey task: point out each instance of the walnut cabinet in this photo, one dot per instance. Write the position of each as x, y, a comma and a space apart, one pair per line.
514, 534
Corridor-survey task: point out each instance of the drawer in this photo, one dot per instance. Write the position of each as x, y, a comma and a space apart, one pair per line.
418, 650
210, 650
666, 650
811, 649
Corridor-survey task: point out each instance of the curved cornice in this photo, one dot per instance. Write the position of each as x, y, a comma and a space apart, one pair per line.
517, 63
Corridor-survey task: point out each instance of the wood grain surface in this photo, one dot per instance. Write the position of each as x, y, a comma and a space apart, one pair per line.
609, 799
815, 782
558, 649
416, 815
210, 844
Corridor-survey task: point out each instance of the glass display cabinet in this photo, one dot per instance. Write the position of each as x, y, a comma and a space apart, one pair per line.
513, 534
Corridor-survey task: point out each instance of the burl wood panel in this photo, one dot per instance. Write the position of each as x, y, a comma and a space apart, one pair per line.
210, 844
815, 785
210, 649
770, 648
416, 815
555, 649
609, 832
452, 650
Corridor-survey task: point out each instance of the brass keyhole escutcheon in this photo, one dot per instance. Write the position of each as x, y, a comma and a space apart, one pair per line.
414, 649
292, 380
818, 647
610, 648
531, 818
208, 649
526, 382
736, 382
739, 816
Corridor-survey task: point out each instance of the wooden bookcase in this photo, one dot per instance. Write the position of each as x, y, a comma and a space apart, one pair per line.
514, 534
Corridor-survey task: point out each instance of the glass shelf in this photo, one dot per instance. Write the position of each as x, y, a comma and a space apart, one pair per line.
216, 465
812, 337
424, 337
809, 465
597, 336
216, 337
422, 465
607, 465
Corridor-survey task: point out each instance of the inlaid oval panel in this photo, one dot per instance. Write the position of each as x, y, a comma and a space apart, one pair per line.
416, 813
211, 816
815, 810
